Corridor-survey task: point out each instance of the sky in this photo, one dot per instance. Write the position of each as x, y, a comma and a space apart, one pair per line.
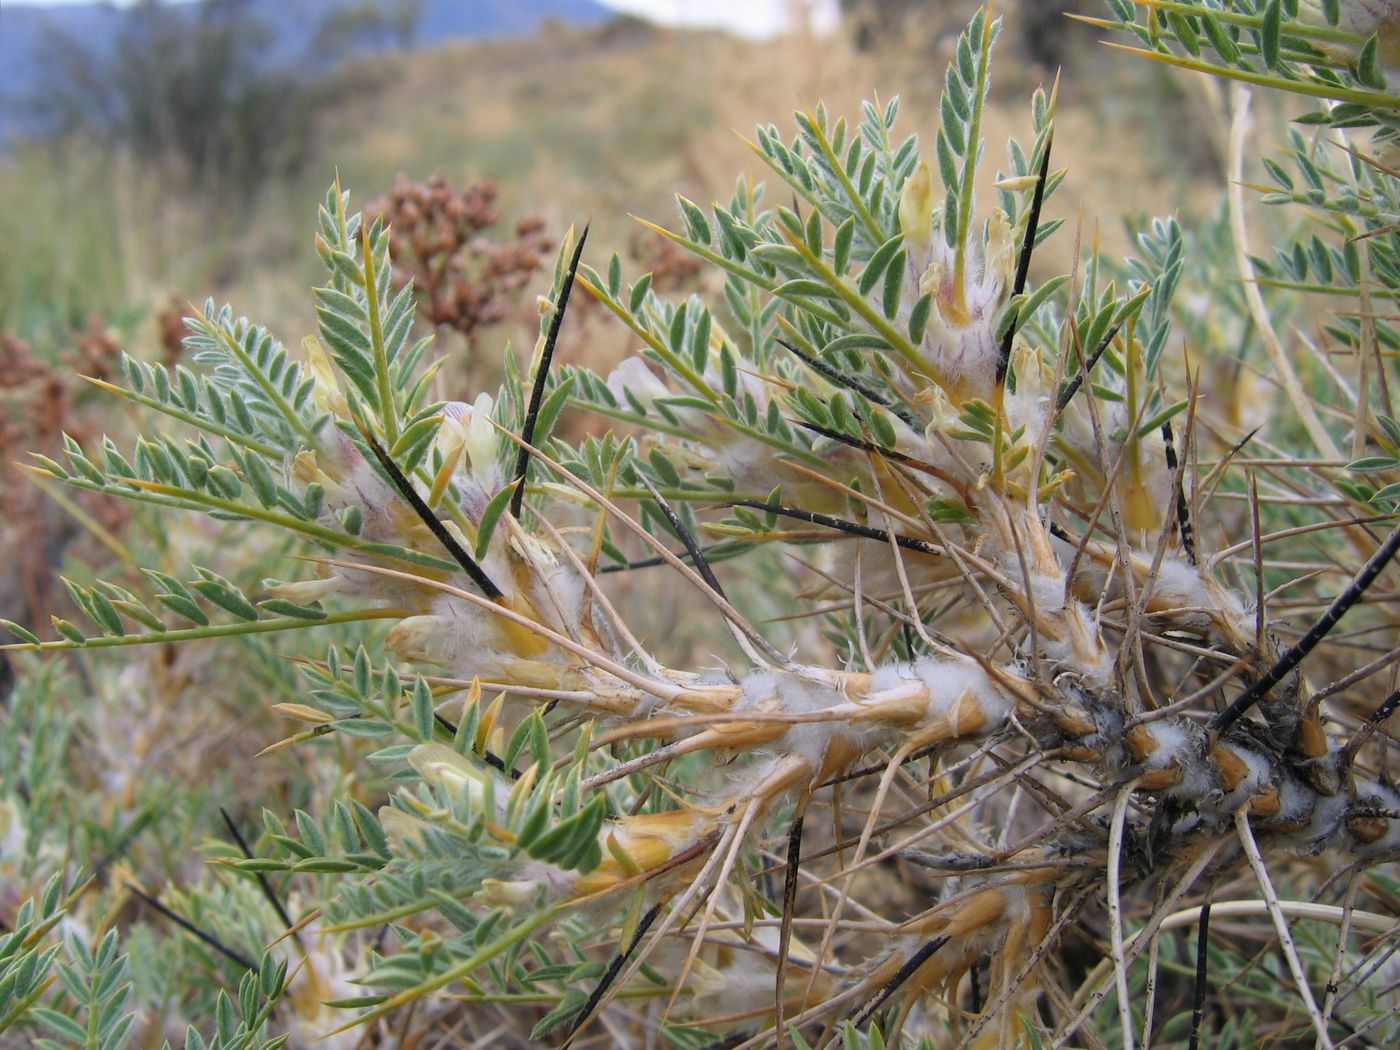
750, 17
757, 18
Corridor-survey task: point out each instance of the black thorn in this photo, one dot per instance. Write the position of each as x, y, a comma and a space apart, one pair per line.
906, 971
185, 924
867, 446
1240, 444
490, 757
652, 562
1183, 512
262, 879
692, 548
794, 860
614, 968
840, 524
1023, 264
495, 761
1198, 998
1374, 721
1072, 387
850, 383
127, 837
527, 434
1387, 708
426, 515
1295, 654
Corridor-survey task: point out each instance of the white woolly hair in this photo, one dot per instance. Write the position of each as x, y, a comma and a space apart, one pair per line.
949, 679
1176, 742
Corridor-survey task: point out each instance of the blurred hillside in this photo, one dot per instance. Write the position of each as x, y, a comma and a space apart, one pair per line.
310, 35
572, 123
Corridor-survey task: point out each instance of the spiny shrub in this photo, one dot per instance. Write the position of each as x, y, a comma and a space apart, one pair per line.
1035, 628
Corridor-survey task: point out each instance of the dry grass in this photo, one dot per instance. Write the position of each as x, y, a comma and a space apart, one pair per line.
577, 124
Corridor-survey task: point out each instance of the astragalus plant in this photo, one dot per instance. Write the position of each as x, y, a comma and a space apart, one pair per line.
1045, 627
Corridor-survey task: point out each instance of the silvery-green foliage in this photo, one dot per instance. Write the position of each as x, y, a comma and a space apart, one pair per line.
97, 994
27, 954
